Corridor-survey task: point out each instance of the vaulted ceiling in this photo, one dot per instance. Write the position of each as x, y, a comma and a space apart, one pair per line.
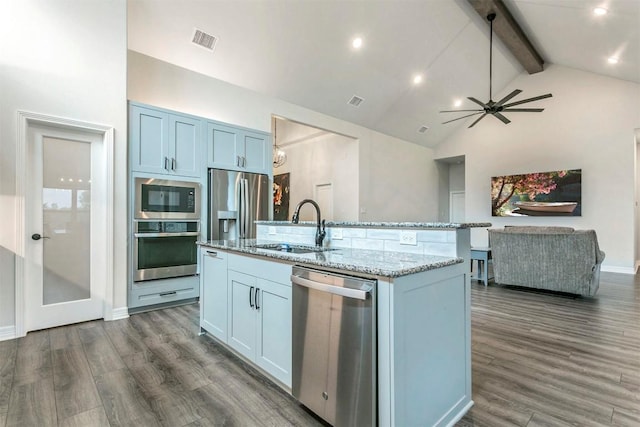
300, 51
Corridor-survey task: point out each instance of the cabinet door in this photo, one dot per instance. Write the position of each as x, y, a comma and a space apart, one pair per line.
213, 293
273, 349
148, 137
257, 152
184, 145
242, 316
224, 146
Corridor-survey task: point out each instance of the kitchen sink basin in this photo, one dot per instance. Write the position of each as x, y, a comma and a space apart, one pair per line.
293, 249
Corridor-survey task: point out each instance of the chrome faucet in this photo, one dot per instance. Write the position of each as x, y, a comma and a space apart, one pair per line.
320, 232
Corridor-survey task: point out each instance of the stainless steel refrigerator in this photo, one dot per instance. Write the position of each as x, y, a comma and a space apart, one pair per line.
236, 200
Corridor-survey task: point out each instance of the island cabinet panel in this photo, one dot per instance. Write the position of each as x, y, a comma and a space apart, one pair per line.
242, 313
246, 303
424, 345
213, 293
274, 329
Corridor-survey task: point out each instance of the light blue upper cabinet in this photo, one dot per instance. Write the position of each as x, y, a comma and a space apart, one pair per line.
149, 139
239, 149
223, 144
164, 143
185, 140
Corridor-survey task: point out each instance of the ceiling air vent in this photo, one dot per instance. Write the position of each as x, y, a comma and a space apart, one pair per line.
423, 129
355, 101
203, 39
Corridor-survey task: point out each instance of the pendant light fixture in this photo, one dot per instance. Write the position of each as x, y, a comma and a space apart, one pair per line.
279, 156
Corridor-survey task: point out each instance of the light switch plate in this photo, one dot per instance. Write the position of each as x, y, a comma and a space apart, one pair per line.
272, 230
336, 233
408, 238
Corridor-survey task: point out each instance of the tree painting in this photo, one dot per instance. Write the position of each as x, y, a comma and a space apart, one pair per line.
551, 188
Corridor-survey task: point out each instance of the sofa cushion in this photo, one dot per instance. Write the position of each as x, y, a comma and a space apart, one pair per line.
537, 229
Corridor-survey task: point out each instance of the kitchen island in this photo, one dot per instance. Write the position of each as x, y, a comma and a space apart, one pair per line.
423, 343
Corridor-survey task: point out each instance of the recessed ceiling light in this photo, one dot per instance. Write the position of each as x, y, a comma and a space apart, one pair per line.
417, 79
613, 60
600, 11
457, 102
357, 43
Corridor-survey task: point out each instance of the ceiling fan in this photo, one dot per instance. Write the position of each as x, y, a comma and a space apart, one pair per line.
497, 108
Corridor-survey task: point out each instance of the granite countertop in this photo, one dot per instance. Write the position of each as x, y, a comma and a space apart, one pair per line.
426, 225
377, 263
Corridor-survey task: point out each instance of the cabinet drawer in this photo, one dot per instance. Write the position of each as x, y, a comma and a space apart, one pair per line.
163, 291
272, 269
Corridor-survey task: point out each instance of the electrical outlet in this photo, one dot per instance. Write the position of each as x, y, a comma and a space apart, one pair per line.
408, 238
272, 230
336, 233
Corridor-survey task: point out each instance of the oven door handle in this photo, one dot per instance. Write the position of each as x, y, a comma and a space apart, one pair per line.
187, 234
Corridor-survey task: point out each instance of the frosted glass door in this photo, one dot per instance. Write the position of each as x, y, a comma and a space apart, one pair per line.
66, 218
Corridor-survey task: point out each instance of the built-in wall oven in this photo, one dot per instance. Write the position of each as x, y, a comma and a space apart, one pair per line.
164, 249
166, 227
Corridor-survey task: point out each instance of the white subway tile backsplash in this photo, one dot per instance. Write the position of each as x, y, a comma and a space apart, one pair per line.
393, 246
443, 249
430, 242
377, 233
342, 243
432, 235
355, 232
376, 245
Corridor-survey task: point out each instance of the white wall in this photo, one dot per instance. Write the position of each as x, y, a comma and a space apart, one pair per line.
63, 58
397, 179
588, 124
324, 159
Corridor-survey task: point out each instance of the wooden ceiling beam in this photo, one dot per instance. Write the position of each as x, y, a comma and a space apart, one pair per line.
506, 27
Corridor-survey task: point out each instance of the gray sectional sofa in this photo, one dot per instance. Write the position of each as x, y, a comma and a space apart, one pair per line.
553, 258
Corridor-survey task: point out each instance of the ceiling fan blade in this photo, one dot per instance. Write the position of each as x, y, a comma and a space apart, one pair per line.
457, 111
480, 103
524, 110
508, 97
502, 118
479, 118
463, 117
535, 98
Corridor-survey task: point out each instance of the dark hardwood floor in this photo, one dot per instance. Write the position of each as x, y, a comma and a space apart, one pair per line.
539, 359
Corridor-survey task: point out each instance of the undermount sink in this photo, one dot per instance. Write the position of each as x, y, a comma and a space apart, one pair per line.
293, 249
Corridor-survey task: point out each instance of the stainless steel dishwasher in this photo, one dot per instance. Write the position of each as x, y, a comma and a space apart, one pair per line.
334, 346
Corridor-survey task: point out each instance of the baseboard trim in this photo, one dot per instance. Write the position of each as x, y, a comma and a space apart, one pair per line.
120, 313
7, 332
623, 270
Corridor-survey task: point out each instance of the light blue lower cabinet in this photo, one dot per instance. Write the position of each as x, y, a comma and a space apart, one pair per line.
213, 293
242, 314
252, 315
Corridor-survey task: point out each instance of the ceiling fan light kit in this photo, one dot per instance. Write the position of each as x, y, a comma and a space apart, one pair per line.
492, 107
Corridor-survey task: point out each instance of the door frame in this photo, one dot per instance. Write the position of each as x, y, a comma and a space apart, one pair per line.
25, 121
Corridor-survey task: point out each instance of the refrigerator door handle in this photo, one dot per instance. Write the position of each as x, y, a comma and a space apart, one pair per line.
241, 209
245, 203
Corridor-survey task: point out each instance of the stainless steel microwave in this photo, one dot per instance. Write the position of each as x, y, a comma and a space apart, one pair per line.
166, 199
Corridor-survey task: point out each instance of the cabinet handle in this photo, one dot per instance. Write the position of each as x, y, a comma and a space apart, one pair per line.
244, 162
166, 163
173, 164
250, 297
256, 298
212, 253
238, 161
167, 294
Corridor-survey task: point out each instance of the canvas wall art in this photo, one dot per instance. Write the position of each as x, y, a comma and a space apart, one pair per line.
281, 197
557, 193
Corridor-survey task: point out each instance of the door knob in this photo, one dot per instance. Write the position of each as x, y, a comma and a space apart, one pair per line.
37, 236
